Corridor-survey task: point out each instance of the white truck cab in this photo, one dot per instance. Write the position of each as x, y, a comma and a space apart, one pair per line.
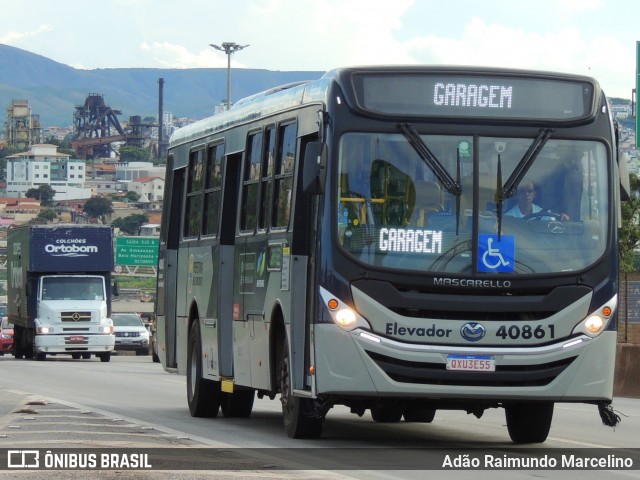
72, 317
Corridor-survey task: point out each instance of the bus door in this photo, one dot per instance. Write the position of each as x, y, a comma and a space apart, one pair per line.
227, 310
254, 305
168, 265
248, 310
243, 285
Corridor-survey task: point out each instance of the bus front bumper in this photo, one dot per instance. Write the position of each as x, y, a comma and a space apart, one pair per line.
361, 363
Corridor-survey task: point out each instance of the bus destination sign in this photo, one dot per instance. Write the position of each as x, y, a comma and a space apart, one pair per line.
445, 95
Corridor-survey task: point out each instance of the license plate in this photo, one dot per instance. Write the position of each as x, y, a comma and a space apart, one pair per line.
76, 339
471, 363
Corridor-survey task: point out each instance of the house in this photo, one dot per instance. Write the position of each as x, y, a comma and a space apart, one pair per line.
43, 165
150, 189
150, 230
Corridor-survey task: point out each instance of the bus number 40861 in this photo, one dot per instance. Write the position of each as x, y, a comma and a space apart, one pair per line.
525, 332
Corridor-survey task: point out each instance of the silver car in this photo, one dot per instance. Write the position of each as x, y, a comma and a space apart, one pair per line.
130, 332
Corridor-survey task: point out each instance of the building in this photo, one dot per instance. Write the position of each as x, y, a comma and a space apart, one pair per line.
103, 187
621, 111
126, 172
150, 230
43, 165
16, 211
22, 127
150, 189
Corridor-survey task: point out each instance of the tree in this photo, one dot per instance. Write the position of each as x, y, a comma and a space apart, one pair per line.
133, 154
630, 228
132, 196
98, 207
44, 193
131, 224
47, 214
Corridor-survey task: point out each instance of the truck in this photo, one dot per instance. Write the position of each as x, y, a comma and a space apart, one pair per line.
59, 290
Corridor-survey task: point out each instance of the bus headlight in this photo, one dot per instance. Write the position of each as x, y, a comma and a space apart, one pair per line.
343, 315
595, 323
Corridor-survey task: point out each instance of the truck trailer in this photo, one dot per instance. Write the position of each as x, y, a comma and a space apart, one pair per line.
59, 290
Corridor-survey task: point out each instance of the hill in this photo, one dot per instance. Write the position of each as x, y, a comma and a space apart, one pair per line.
54, 90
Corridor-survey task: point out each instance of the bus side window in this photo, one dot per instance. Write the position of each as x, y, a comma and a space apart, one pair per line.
283, 191
193, 212
251, 182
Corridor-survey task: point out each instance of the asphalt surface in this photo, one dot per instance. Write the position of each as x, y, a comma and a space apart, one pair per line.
30, 422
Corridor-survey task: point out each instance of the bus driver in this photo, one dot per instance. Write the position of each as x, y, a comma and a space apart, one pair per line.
526, 206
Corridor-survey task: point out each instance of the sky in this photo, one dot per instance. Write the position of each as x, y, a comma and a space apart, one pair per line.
588, 37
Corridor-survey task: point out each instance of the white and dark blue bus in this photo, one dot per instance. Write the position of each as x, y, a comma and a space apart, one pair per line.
396, 239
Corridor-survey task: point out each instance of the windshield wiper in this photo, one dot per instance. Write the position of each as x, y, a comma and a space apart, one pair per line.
511, 185
448, 183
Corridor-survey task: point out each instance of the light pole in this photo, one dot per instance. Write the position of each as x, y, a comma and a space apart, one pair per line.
229, 48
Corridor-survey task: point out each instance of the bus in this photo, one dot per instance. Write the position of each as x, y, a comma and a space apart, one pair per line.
352, 241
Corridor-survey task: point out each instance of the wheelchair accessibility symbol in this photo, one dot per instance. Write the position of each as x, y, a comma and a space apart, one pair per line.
496, 255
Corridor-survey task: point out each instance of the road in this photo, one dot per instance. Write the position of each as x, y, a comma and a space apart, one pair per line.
139, 393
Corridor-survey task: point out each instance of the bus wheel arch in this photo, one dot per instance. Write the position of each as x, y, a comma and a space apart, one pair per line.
297, 412
203, 395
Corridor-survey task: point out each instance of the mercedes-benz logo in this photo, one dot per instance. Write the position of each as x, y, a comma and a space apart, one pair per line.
556, 227
75, 316
472, 331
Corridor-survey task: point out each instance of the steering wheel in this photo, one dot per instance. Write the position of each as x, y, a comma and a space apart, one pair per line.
542, 214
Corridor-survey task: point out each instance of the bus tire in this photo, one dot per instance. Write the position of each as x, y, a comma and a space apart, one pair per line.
386, 413
529, 422
203, 396
237, 404
418, 414
298, 423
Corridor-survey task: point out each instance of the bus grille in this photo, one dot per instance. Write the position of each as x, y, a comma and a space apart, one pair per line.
75, 316
436, 374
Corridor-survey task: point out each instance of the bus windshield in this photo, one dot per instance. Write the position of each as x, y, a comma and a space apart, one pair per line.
398, 209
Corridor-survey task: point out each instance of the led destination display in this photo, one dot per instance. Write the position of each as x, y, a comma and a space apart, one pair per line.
444, 95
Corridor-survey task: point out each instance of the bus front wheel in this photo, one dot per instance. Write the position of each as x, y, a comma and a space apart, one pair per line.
203, 395
299, 421
529, 422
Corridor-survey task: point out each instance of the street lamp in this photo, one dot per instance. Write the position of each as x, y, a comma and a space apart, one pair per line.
229, 48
